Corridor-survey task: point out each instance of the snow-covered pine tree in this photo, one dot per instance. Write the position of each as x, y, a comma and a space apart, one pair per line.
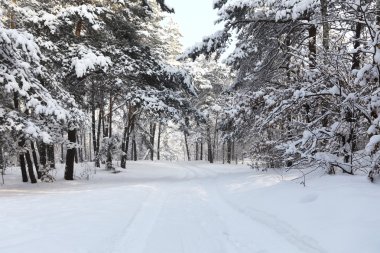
307, 72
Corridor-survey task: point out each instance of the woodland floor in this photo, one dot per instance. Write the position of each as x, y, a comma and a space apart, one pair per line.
194, 207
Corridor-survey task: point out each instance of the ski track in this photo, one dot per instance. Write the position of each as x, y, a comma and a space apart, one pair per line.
192, 211
198, 193
302, 242
281, 228
136, 232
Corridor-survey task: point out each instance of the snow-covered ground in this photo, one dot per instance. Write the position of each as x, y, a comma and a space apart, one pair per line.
162, 207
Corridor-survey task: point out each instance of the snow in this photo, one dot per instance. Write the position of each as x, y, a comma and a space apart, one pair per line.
372, 143
190, 207
88, 61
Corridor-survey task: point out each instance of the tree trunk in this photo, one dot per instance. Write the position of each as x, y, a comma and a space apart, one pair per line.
196, 151
42, 152
151, 139
124, 148
110, 143
215, 137
78, 28
325, 25
312, 46
24, 174
229, 150
128, 129
76, 152
233, 151
62, 152
83, 140
159, 140
187, 146
93, 128
201, 152
110, 115
223, 151
51, 156
35, 160
15, 101
70, 155
378, 12
356, 55
90, 147
79, 149
29, 162
96, 151
105, 126
2, 162
209, 146
134, 149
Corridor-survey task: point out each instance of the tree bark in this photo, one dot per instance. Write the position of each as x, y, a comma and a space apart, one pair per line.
24, 174
187, 146
196, 151
201, 151
223, 151
132, 151
62, 152
127, 135
76, 153
89, 147
209, 146
93, 127
96, 151
29, 163
110, 144
70, 155
2, 162
215, 136
151, 139
229, 150
124, 148
233, 151
35, 160
42, 152
78, 28
15, 101
159, 140
134, 147
80, 148
312, 46
84, 147
325, 25
51, 156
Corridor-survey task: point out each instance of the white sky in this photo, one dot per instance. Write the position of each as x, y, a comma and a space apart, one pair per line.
195, 18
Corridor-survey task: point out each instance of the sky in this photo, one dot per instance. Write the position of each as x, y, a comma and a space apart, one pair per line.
195, 18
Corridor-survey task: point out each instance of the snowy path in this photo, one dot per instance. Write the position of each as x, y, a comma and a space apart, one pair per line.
170, 208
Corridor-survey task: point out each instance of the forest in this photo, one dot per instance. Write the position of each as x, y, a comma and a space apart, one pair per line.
106, 81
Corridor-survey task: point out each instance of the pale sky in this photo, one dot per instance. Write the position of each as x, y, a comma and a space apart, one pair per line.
195, 19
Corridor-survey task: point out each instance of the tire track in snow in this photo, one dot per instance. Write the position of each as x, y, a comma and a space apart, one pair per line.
289, 233
231, 242
136, 232
292, 235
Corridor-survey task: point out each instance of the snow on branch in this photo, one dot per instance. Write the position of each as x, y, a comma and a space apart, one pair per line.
85, 12
212, 44
88, 61
373, 142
